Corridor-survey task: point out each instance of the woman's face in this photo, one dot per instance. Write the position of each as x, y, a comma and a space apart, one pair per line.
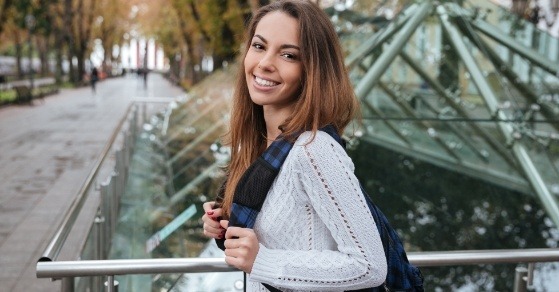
273, 68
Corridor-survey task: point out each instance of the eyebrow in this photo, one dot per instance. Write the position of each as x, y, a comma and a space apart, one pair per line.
284, 46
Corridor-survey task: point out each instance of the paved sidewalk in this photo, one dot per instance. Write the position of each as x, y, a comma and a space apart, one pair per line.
46, 152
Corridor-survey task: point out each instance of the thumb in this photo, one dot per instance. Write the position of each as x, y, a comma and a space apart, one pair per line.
224, 223
208, 206
217, 213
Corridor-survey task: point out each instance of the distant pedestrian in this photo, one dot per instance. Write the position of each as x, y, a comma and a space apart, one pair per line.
535, 15
145, 76
94, 78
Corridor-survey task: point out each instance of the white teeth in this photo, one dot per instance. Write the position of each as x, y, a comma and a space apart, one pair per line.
263, 82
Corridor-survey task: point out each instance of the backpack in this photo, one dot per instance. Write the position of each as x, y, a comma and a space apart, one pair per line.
401, 275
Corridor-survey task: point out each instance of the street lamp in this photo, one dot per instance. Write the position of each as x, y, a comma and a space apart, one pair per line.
30, 23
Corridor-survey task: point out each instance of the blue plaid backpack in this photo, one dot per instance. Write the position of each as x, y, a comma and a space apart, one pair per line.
253, 187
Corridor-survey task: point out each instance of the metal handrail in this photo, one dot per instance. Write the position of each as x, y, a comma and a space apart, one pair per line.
88, 268
63, 269
487, 256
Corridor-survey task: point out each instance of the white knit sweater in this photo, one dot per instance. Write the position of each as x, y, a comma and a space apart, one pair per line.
315, 230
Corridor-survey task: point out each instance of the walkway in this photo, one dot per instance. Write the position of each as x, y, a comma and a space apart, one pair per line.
46, 152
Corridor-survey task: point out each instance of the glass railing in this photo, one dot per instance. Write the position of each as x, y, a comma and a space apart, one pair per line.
176, 167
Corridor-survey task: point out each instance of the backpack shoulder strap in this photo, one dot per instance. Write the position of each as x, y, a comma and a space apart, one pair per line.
253, 187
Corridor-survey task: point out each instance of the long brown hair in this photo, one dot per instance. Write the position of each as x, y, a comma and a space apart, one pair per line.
326, 95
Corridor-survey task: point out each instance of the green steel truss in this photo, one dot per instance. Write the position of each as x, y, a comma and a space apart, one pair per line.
470, 88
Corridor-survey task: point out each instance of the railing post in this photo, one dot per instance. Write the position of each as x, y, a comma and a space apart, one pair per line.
106, 214
530, 276
67, 284
112, 197
99, 238
520, 284
99, 247
111, 284
144, 112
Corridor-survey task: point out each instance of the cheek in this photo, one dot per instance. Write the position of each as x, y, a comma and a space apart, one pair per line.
248, 62
295, 77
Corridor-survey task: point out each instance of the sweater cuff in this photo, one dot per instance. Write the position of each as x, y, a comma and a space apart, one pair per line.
264, 270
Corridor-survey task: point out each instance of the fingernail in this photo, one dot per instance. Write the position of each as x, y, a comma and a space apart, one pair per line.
210, 213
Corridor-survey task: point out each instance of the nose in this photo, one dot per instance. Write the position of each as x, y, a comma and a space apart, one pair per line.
266, 62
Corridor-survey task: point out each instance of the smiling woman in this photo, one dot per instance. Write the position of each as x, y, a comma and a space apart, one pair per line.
313, 231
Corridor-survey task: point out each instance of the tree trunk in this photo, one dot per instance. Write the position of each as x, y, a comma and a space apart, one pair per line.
59, 73
69, 37
42, 48
19, 53
84, 29
80, 54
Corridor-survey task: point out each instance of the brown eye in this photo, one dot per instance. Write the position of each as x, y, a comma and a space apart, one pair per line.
257, 46
289, 56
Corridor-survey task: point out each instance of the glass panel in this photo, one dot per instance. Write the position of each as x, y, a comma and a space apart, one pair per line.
176, 167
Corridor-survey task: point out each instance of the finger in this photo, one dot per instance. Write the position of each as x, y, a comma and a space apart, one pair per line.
209, 209
213, 235
217, 212
208, 218
211, 221
213, 214
231, 243
232, 261
236, 262
216, 229
218, 233
224, 223
208, 206
238, 232
234, 232
228, 244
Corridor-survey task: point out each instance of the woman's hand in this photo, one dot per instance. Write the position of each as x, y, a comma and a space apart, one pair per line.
241, 247
212, 228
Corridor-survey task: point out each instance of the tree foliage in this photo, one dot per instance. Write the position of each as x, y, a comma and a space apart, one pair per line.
190, 32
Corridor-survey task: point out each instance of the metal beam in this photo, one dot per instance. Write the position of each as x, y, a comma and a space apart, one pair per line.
475, 170
549, 202
194, 183
424, 124
385, 59
525, 89
453, 102
526, 52
188, 123
196, 141
379, 38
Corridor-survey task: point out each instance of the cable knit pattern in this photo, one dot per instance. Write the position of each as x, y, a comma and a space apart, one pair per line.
315, 230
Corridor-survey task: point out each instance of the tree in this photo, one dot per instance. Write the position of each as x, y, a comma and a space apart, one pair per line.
112, 23
4, 6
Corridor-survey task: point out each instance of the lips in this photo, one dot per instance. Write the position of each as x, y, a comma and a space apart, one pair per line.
265, 83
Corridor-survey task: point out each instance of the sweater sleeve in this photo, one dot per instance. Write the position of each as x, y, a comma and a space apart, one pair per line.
358, 260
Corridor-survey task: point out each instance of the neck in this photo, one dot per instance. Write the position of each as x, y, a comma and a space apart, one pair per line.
274, 117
